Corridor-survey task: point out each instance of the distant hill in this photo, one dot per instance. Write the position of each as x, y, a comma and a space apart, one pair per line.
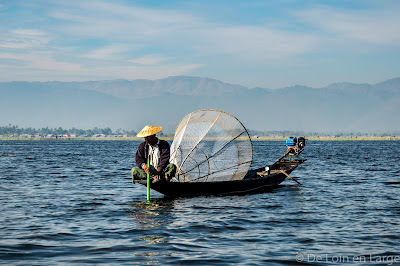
133, 104
179, 85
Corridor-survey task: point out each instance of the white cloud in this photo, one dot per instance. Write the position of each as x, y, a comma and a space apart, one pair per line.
255, 42
28, 32
120, 22
368, 26
125, 29
174, 30
111, 52
104, 39
149, 60
23, 39
42, 61
42, 66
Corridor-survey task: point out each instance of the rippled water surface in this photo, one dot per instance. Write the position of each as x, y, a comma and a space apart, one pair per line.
68, 202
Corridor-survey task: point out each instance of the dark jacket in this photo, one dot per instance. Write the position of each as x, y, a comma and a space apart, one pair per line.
143, 151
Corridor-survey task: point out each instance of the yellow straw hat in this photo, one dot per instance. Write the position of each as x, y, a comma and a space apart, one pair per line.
148, 131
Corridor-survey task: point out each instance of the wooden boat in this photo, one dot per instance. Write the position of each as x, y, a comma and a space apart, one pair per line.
255, 181
213, 153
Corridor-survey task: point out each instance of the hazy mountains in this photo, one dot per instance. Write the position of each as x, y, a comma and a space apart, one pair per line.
133, 104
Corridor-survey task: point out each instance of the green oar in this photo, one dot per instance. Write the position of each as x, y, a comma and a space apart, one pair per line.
148, 180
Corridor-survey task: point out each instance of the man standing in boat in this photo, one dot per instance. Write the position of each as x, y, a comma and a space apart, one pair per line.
157, 152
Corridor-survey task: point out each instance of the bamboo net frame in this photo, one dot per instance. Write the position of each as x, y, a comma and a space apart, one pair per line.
211, 146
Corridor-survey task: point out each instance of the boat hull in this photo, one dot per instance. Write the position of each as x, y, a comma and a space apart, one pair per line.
251, 184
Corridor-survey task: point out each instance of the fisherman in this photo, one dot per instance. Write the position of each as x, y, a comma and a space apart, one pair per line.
158, 153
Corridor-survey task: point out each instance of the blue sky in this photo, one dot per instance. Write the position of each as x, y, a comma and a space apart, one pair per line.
270, 44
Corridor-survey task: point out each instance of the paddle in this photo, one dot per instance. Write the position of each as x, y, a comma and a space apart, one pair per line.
286, 174
148, 177
265, 173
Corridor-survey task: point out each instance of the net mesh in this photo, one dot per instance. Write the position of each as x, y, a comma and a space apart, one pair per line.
210, 146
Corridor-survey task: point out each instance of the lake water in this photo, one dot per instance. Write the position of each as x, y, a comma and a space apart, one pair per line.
66, 202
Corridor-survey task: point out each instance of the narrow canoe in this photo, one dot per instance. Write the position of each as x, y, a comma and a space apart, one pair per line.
255, 181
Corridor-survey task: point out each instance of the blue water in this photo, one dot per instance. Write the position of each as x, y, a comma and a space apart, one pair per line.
66, 202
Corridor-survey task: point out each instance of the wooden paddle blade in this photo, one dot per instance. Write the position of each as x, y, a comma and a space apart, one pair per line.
286, 174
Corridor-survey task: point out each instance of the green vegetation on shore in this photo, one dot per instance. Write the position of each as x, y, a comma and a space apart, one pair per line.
262, 138
12, 132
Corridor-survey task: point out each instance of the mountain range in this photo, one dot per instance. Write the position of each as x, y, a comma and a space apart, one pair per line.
131, 104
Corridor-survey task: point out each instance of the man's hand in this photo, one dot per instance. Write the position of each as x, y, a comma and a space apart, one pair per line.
160, 177
146, 169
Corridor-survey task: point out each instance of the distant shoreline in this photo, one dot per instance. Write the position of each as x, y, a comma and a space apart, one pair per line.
260, 138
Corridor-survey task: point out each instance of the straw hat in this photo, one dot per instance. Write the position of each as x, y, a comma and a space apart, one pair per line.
148, 131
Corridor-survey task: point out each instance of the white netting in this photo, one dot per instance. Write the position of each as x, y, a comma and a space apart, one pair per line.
211, 145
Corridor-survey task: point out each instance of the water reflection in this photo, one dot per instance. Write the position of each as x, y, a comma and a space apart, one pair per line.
152, 219
147, 214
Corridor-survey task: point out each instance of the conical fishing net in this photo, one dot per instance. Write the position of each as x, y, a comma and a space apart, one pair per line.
210, 146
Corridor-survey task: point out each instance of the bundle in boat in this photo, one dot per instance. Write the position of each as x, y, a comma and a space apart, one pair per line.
211, 146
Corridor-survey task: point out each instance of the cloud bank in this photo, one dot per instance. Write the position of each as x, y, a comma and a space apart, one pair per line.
87, 40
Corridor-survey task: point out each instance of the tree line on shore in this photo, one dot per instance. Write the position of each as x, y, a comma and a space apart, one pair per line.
338, 134
16, 131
